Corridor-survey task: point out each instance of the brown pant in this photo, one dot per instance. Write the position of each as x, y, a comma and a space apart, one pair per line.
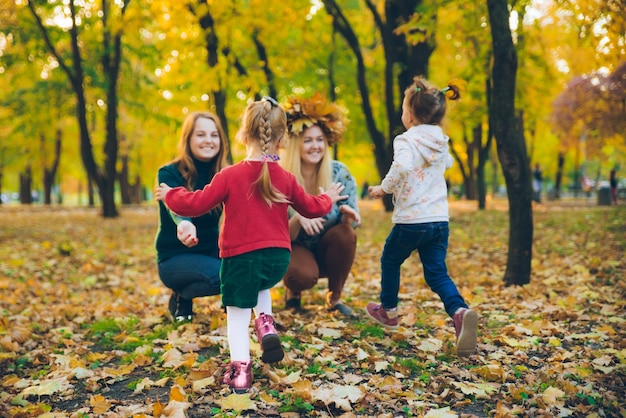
332, 258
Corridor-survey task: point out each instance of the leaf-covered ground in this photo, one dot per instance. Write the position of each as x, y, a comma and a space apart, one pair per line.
84, 331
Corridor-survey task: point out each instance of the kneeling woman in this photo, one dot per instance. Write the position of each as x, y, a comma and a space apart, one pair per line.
326, 246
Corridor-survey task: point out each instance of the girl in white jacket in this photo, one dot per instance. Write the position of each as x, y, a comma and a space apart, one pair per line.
416, 180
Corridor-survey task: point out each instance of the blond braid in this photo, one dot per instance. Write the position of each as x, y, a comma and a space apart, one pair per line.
265, 127
269, 193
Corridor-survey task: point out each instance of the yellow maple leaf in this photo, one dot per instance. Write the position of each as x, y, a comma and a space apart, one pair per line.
236, 402
157, 409
177, 393
441, 413
201, 384
44, 387
491, 372
390, 383
175, 409
553, 396
303, 388
430, 345
99, 404
605, 329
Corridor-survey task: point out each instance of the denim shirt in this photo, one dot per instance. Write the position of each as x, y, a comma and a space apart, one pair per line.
342, 175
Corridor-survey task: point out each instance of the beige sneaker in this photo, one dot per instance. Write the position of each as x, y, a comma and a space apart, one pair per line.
466, 326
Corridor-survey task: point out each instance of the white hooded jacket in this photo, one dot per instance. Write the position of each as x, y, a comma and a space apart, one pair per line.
416, 177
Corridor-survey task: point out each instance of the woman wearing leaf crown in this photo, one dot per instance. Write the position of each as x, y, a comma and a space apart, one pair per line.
326, 246
187, 250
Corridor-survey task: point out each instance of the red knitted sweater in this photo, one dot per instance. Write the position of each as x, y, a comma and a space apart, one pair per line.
249, 223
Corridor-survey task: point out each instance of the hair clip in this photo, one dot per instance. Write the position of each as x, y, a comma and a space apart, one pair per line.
445, 89
417, 89
269, 157
271, 100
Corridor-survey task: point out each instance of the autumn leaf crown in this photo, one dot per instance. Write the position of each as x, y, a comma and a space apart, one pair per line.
316, 110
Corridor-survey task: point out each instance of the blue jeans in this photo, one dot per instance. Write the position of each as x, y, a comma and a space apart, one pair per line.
431, 242
191, 275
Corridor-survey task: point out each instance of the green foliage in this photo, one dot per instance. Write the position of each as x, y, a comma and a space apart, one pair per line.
105, 331
315, 368
370, 330
291, 403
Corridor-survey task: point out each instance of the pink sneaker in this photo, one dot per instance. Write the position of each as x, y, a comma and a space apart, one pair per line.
272, 351
466, 325
384, 318
239, 376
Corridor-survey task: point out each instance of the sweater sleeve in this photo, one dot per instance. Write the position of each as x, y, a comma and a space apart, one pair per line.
196, 203
449, 161
172, 178
401, 166
308, 205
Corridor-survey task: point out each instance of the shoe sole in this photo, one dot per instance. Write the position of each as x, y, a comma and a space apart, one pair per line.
240, 391
342, 309
272, 350
389, 327
466, 343
180, 319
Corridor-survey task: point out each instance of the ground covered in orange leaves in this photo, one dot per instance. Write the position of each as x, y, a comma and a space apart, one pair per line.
84, 330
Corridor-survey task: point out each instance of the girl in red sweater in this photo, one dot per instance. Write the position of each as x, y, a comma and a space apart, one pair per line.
254, 240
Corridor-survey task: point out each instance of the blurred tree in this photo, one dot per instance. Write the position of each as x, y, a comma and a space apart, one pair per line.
29, 142
591, 111
110, 19
511, 147
406, 31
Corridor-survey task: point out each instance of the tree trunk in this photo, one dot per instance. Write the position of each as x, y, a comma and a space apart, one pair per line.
495, 169
472, 147
265, 64
483, 157
26, 183
511, 146
559, 175
123, 181
136, 191
49, 173
103, 177
409, 60
91, 198
211, 43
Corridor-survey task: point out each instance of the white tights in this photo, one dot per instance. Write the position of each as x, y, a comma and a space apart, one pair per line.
238, 322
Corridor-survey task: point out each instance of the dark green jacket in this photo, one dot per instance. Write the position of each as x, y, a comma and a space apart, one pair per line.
207, 226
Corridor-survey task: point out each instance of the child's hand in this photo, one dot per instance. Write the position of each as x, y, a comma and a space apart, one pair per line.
161, 191
376, 192
186, 233
333, 192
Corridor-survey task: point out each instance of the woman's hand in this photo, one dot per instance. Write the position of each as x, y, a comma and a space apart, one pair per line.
186, 233
350, 216
312, 226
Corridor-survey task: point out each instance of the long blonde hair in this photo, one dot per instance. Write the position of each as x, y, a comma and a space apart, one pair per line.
292, 161
184, 157
265, 121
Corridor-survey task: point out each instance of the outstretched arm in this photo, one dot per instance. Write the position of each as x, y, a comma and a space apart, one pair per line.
334, 191
376, 192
